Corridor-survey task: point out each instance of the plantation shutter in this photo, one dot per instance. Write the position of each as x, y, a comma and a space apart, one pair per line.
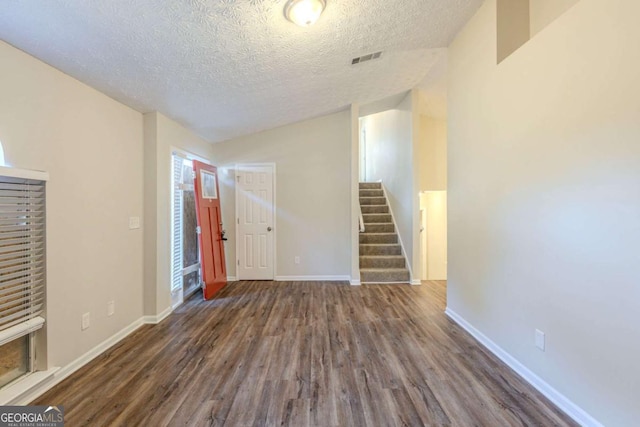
22, 252
176, 227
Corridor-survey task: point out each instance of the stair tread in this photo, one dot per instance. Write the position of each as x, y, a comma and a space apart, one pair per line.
378, 226
381, 262
376, 223
382, 256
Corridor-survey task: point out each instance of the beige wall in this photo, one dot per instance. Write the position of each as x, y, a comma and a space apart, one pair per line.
91, 146
544, 12
162, 137
513, 26
313, 189
544, 199
354, 194
433, 154
389, 158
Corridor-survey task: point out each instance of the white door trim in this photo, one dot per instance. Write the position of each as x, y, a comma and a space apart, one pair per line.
177, 294
188, 155
424, 244
238, 167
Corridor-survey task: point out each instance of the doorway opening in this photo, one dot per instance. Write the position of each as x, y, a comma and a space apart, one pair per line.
433, 235
186, 277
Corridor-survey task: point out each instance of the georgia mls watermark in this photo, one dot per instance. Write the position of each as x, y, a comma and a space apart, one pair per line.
31, 416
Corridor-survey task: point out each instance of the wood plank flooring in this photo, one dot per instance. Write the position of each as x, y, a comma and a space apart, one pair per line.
303, 354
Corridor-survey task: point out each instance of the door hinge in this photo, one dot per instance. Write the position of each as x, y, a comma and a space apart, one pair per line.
238, 262
238, 221
238, 178
198, 230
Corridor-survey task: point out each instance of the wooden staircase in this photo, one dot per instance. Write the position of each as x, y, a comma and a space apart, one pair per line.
381, 259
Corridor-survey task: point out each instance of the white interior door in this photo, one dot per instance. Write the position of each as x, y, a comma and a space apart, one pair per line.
255, 222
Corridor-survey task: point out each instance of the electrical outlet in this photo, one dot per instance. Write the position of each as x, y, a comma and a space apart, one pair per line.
540, 339
86, 321
111, 308
134, 222
297, 260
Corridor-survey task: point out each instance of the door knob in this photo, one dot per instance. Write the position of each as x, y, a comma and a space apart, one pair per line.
268, 228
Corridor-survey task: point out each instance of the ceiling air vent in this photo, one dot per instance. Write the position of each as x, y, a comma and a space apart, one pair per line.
366, 58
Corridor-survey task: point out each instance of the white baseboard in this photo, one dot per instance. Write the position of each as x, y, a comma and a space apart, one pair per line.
415, 282
232, 279
312, 278
60, 374
154, 320
56, 375
355, 282
561, 401
19, 392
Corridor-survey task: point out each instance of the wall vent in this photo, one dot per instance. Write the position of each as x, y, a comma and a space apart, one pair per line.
366, 58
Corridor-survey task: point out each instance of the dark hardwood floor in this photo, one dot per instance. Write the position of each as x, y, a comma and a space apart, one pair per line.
298, 354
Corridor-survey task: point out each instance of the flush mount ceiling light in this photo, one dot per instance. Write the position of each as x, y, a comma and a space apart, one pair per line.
304, 12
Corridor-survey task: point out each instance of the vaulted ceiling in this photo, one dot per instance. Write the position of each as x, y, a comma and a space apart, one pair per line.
226, 68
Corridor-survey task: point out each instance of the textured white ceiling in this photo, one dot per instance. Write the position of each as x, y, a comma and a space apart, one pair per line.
226, 68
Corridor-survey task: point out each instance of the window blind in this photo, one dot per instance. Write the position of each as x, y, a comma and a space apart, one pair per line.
176, 226
22, 250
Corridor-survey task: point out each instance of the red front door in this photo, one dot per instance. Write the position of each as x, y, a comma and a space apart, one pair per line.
214, 271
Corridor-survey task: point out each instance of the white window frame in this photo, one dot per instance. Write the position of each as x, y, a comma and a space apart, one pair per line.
30, 326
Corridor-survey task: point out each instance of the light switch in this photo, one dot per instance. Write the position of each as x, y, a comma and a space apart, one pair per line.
134, 222
86, 321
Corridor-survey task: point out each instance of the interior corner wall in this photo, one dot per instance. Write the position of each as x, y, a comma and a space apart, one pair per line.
543, 12
355, 194
389, 157
162, 136
150, 222
544, 200
432, 166
313, 193
512, 26
92, 148
433, 154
